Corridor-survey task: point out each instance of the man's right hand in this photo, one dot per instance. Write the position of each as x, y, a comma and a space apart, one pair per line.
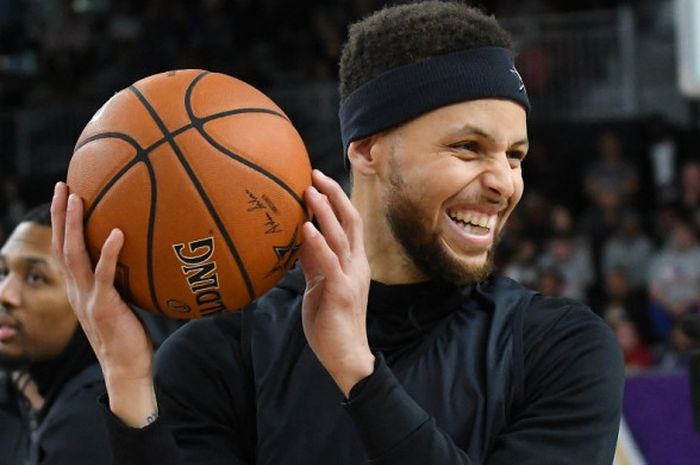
117, 336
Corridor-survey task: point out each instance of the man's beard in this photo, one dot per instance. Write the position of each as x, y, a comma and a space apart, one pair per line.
424, 247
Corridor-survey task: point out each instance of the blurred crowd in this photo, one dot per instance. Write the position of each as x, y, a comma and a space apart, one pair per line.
82, 50
68, 50
630, 249
623, 236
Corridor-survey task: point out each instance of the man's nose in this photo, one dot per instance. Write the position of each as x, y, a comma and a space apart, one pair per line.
10, 295
498, 179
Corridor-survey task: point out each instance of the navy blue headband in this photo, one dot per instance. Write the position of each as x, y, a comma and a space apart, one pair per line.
408, 91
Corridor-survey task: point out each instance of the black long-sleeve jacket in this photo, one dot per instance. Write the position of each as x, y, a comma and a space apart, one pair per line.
486, 374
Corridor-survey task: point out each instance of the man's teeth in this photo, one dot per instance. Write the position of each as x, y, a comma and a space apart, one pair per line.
476, 219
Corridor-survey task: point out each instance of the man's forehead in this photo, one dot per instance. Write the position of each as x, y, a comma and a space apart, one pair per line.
28, 240
496, 118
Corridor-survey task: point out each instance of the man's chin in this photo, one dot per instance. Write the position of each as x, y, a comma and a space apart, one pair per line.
473, 266
462, 269
472, 260
475, 273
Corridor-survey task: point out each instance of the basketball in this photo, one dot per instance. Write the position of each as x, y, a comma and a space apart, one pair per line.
204, 174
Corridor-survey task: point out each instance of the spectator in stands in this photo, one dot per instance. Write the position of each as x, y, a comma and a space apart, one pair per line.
523, 264
690, 186
695, 220
661, 162
572, 261
663, 221
51, 376
674, 279
625, 310
550, 282
629, 249
637, 354
601, 220
67, 40
611, 173
535, 65
542, 171
562, 221
535, 214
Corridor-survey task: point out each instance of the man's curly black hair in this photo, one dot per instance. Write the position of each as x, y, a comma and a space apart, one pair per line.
41, 215
404, 34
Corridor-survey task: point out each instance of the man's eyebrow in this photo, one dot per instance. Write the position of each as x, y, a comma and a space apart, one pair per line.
475, 130
32, 260
35, 260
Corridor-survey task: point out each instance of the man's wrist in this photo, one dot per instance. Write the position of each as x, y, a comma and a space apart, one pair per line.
361, 367
134, 403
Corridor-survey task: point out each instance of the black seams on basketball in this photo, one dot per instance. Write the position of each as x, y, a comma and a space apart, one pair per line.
205, 176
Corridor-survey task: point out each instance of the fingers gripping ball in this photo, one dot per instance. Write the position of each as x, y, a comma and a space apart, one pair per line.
204, 174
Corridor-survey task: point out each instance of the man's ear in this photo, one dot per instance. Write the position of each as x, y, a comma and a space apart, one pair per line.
362, 155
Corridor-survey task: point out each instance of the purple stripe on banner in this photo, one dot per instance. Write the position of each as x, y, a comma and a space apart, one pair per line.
658, 413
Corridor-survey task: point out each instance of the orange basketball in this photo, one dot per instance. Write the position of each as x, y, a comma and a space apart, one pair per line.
204, 174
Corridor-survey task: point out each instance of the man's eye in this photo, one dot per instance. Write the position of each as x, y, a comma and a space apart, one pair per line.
471, 146
516, 156
35, 278
3, 272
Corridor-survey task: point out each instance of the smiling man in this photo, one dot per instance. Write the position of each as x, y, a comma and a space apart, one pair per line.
398, 344
51, 376
446, 229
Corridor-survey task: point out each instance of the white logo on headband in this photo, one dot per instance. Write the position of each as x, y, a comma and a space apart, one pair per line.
520, 79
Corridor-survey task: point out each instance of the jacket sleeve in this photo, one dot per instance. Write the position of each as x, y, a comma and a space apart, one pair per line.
573, 385
568, 414
205, 400
394, 428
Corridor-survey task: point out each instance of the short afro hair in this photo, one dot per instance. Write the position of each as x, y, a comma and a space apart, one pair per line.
404, 34
41, 215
